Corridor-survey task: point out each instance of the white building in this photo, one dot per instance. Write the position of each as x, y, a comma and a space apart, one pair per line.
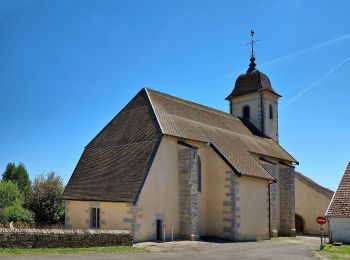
338, 212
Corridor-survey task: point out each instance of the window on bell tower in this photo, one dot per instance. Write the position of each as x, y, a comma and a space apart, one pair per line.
246, 112
271, 112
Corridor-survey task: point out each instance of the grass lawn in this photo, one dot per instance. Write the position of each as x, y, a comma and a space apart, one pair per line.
45, 251
337, 252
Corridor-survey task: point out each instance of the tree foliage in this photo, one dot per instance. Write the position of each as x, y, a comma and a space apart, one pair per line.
18, 175
16, 212
9, 193
11, 204
45, 198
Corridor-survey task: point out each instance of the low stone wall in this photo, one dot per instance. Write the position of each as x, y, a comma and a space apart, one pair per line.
41, 238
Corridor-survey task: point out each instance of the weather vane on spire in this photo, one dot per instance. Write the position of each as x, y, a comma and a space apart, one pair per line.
252, 42
252, 57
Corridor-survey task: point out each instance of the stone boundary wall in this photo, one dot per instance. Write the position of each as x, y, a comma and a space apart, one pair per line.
42, 238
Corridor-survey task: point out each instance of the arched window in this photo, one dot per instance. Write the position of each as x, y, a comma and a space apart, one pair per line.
199, 168
246, 112
271, 112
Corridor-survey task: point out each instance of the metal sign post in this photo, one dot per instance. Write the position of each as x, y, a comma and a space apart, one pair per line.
321, 233
321, 220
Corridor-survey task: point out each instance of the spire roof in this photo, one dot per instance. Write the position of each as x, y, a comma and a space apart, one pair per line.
252, 56
253, 80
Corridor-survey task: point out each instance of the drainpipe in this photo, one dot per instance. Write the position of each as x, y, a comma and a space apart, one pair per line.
269, 184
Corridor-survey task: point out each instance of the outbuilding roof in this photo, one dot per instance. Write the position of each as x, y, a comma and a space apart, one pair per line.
116, 162
340, 204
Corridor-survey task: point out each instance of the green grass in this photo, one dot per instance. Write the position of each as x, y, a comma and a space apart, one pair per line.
337, 252
46, 251
344, 249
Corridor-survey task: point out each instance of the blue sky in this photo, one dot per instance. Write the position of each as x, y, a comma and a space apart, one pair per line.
67, 67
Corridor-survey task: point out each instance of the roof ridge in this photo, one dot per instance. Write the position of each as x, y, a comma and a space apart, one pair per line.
153, 111
194, 104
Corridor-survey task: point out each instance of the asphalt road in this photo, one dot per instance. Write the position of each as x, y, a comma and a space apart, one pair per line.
280, 248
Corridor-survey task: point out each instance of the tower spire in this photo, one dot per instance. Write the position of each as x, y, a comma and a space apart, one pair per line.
252, 56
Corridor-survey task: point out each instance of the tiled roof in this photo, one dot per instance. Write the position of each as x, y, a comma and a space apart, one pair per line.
327, 192
251, 82
115, 164
230, 136
340, 204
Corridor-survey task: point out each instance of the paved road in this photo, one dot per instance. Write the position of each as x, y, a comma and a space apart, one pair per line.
281, 248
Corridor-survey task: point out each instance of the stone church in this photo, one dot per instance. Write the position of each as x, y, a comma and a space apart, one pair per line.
168, 168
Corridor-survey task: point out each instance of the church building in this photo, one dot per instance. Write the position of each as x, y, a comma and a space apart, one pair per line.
168, 168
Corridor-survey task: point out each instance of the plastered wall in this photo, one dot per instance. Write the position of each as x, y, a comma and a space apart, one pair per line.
159, 199
216, 194
159, 196
271, 125
112, 214
253, 100
339, 229
253, 209
309, 204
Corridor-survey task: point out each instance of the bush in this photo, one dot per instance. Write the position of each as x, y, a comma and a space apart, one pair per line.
45, 198
9, 194
16, 213
11, 204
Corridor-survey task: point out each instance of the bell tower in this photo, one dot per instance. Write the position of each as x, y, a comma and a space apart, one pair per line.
254, 99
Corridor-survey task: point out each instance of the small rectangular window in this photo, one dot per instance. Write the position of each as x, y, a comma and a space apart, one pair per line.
94, 218
271, 112
246, 112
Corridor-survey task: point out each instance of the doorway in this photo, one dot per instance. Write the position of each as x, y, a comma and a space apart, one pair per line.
159, 229
299, 224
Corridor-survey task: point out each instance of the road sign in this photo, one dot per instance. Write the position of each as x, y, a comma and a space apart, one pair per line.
321, 220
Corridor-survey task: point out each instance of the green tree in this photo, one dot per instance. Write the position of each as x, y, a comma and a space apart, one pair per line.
9, 194
18, 175
9, 171
11, 204
45, 198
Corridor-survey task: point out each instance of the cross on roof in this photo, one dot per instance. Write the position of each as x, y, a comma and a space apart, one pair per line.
252, 64
252, 42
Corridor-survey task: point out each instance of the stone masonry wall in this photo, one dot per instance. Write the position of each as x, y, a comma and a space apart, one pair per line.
230, 211
188, 193
287, 201
43, 238
273, 170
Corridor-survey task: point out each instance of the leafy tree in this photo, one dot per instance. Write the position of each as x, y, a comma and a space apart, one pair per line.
11, 204
18, 175
45, 198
